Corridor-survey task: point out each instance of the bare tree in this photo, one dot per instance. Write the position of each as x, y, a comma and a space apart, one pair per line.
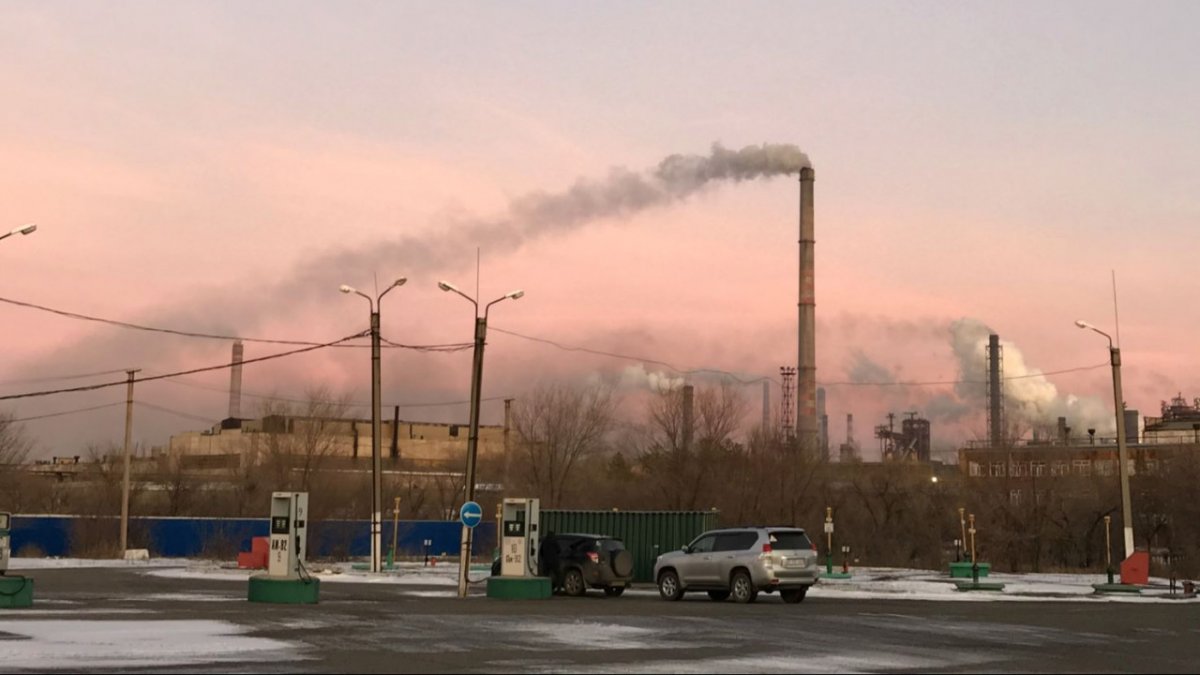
556, 427
14, 451
684, 449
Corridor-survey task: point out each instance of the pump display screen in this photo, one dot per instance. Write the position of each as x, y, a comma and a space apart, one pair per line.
514, 528
279, 525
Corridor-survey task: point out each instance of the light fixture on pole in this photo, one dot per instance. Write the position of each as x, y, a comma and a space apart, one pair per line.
24, 229
376, 415
464, 556
1122, 451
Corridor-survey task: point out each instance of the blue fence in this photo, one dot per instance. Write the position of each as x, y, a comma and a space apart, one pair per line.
61, 536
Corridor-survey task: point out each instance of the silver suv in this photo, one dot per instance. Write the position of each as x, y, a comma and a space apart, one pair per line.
740, 563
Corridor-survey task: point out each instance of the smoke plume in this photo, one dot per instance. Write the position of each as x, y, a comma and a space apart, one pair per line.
620, 194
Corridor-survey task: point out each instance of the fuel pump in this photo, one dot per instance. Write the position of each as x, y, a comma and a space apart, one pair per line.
15, 590
520, 537
287, 579
519, 540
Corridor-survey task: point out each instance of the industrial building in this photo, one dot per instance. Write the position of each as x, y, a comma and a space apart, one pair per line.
910, 443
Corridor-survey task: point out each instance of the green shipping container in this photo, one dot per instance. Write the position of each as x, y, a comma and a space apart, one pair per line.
647, 534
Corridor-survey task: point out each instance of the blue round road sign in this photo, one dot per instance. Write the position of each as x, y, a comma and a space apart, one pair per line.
470, 514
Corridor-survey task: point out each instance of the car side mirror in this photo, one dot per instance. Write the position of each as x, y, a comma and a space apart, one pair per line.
686, 549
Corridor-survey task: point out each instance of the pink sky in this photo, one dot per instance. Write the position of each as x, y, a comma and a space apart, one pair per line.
993, 163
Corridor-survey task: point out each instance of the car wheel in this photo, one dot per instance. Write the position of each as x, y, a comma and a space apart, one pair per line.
573, 583
614, 591
741, 587
719, 596
794, 596
668, 586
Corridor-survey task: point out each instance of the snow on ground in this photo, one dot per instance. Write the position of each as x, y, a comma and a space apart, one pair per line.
23, 564
75, 645
413, 574
867, 582
902, 584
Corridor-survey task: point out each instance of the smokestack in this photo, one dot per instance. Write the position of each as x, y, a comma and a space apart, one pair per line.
995, 395
823, 426
850, 429
806, 363
235, 382
766, 401
687, 416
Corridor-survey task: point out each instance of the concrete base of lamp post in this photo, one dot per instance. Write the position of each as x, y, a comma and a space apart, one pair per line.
962, 570
16, 592
1116, 588
519, 588
279, 591
968, 585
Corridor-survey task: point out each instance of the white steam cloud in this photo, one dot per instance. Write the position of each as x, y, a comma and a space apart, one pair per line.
1030, 400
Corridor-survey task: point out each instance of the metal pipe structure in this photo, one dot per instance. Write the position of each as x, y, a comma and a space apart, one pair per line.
1122, 447
806, 362
376, 426
125, 470
464, 555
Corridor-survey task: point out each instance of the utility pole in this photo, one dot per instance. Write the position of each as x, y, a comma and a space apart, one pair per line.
125, 479
376, 462
464, 556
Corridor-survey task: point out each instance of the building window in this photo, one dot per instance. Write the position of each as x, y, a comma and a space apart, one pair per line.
1152, 466
1016, 469
973, 469
1039, 497
1014, 497
1082, 467
1104, 467
997, 469
1059, 469
1038, 469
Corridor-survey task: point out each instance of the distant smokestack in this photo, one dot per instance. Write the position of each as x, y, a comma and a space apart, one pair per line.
823, 426
995, 393
687, 416
235, 382
850, 429
806, 363
766, 402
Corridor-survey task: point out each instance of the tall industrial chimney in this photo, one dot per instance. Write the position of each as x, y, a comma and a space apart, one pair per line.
806, 363
823, 426
995, 392
235, 382
687, 417
766, 402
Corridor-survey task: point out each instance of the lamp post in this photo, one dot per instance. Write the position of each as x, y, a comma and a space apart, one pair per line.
1122, 450
376, 431
24, 229
464, 555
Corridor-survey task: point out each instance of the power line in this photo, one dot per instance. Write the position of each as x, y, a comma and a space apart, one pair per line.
55, 378
627, 357
574, 348
353, 404
93, 387
175, 412
64, 412
945, 382
217, 336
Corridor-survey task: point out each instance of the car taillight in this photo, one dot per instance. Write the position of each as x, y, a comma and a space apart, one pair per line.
593, 556
814, 545
766, 548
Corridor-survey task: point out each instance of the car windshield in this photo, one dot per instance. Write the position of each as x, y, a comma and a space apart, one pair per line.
611, 545
790, 540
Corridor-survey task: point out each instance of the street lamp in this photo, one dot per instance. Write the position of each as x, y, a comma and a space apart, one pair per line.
376, 431
1122, 450
24, 229
464, 556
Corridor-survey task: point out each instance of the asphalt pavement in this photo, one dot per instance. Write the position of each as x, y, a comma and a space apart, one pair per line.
363, 627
